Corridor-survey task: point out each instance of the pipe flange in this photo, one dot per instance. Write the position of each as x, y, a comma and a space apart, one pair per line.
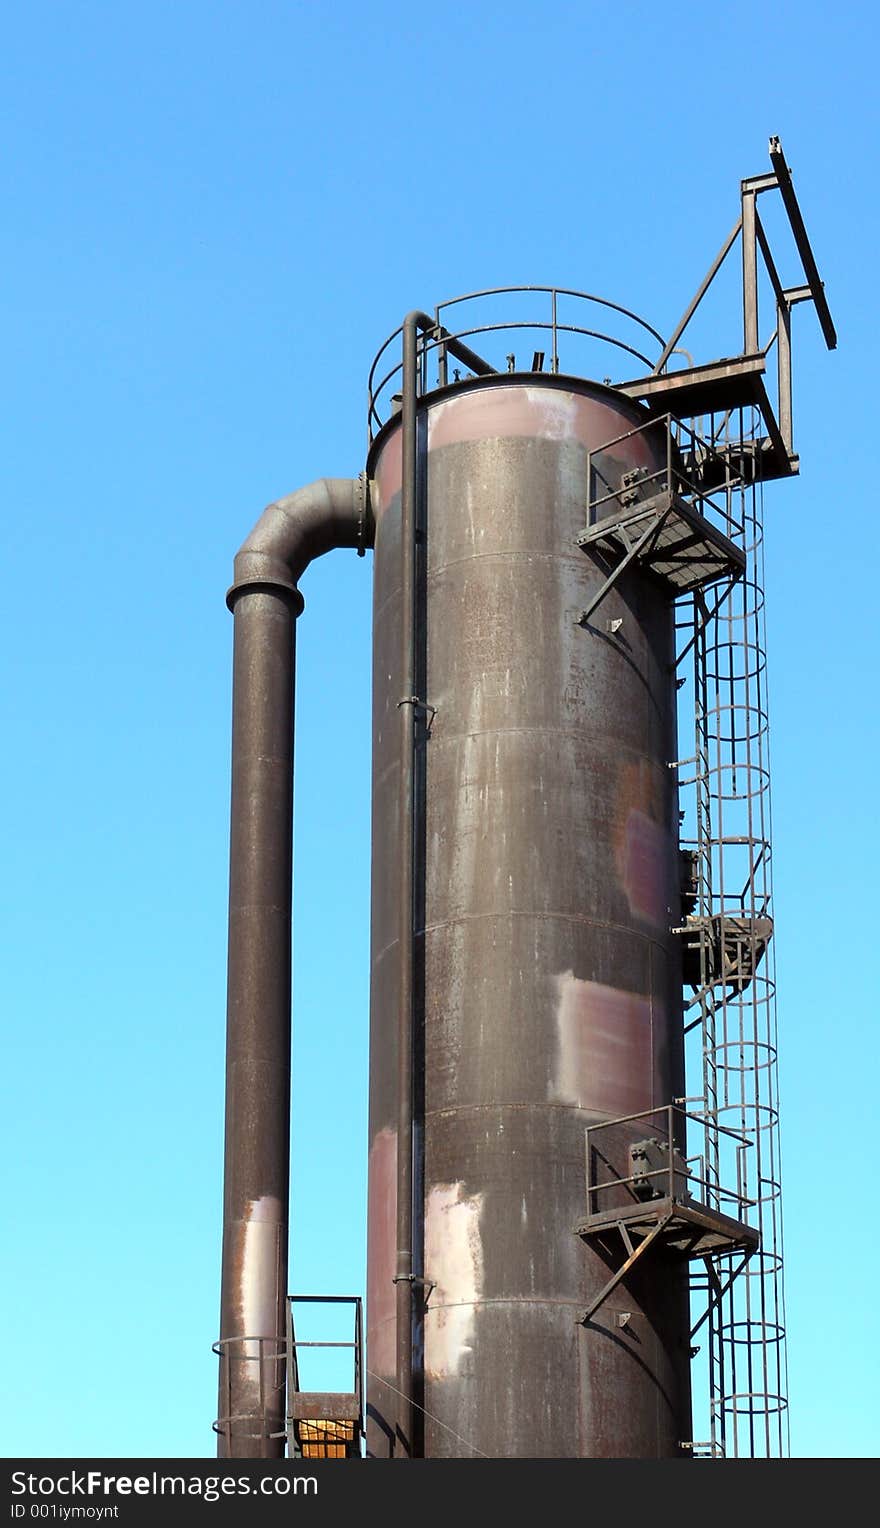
266, 586
364, 514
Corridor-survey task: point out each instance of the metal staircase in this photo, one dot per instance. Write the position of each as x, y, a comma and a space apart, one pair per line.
325, 1424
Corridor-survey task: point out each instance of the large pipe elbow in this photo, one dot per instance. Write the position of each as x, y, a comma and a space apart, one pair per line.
330, 513
292, 532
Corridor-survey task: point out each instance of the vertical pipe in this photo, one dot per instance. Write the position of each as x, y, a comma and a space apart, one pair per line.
257, 1167
750, 273
404, 1263
783, 360
265, 603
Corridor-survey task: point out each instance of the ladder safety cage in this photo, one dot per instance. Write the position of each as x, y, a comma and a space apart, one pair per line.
727, 924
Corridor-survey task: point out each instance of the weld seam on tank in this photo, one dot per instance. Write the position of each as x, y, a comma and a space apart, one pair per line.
444, 738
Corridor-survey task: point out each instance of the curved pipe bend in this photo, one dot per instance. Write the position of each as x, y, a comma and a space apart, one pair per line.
292, 532
266, 603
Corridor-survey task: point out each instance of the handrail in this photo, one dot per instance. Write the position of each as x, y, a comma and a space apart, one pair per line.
672, 1169
557, 291
436, 338
356, 1346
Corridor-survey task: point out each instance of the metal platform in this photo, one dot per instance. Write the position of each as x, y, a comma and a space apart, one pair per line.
325, 1424
734, 948
680, 1225
721, 386
671, 539
653, 1208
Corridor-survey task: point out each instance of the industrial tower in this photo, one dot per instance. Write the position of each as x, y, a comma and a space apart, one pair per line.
574, 1183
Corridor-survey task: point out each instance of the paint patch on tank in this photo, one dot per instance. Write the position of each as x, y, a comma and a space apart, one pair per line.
642, 848
605, 1056
505, 412
454, 1263
645, 861
381, 1253
258, 1268
389, 474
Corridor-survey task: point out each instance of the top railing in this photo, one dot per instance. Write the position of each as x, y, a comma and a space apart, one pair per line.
354, 1345
552, 321
671, 1174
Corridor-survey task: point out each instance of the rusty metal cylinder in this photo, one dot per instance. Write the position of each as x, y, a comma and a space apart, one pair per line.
265, 601
251, 1421
547, 979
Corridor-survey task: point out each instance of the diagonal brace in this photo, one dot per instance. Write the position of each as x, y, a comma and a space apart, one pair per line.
653, 530
719, 1290
624, 1269
705, 616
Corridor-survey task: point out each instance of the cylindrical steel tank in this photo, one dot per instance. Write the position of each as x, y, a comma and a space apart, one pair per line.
548, 983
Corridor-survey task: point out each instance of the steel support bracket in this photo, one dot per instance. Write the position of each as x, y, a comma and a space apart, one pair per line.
415, 1281
718, 1289
703, 617
655, 524
621, 1273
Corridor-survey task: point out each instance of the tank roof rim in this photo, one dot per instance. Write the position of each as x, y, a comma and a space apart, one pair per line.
553, 381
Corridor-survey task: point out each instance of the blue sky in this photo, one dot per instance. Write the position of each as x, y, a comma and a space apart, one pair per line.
212, 215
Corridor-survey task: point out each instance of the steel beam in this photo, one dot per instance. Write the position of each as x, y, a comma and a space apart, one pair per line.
808, 259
